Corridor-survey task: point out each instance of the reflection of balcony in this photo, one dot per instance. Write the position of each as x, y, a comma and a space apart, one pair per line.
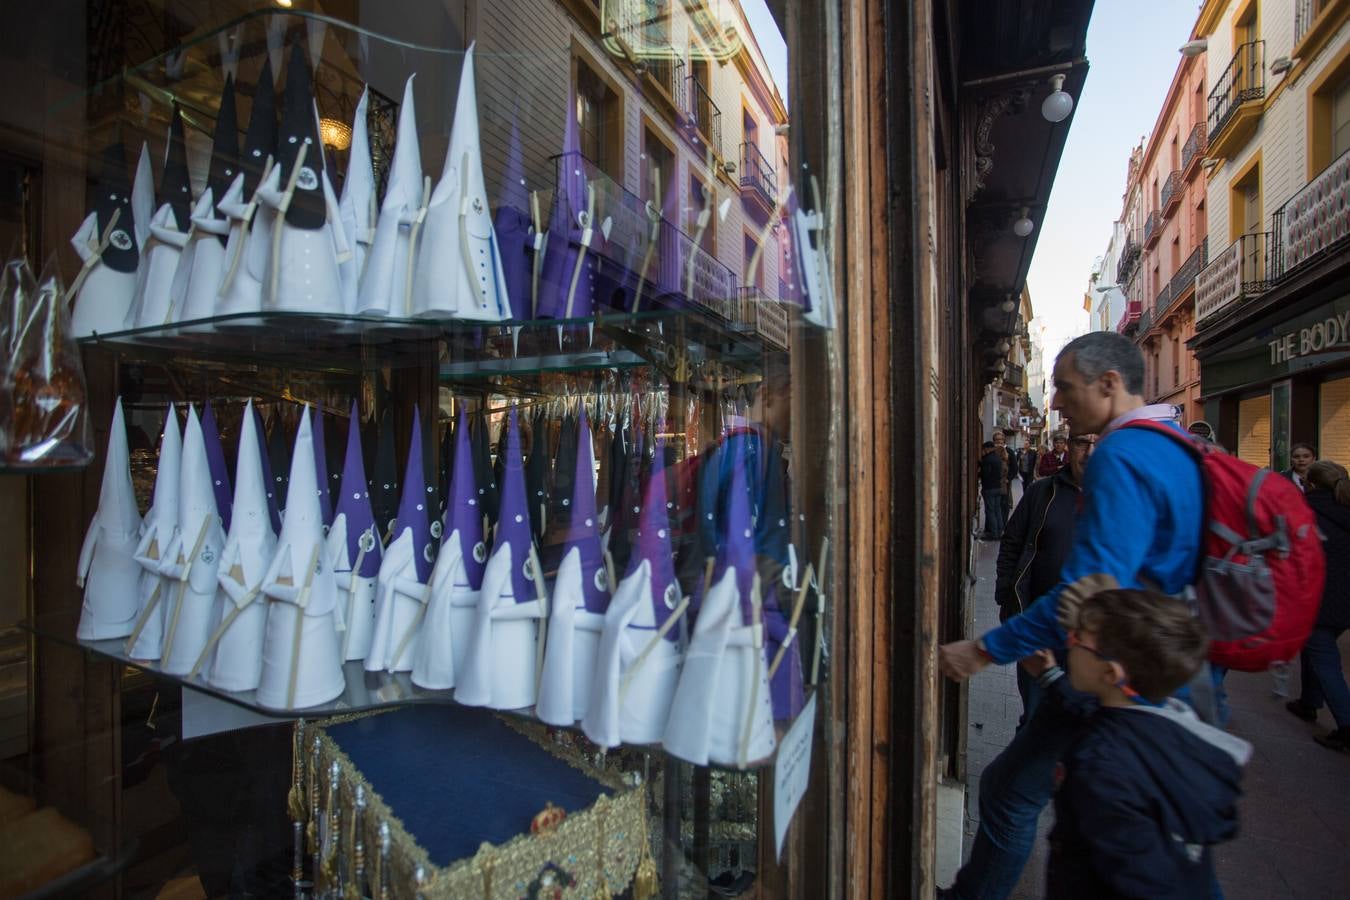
668, 76
705, 119
1171, 194
1235, 102
1239, 271
1152, 229
758, 179
1194, 151
767, 318
1314, 223
1130, 319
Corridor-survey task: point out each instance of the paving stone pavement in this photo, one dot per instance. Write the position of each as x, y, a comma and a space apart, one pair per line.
1295, 810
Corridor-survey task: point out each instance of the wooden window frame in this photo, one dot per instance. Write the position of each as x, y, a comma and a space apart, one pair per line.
615, 139
1320, 93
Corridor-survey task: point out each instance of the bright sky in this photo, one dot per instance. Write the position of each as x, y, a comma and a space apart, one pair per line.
1132, 48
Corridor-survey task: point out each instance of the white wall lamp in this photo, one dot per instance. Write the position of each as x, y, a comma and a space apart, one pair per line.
1024, 226
1007, 305
1059, 104
1194, 48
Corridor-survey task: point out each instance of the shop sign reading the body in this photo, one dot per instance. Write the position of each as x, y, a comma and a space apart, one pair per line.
1333, 333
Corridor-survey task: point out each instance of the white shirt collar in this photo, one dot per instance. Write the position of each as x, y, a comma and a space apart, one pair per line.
1155, 412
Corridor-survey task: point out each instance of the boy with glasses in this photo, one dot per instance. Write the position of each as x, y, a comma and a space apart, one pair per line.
1148, 788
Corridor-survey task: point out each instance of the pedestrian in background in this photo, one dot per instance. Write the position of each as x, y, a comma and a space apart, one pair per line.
1055, 459
1026, 467
1035, 545
1301, 457
1323, 676
993, 488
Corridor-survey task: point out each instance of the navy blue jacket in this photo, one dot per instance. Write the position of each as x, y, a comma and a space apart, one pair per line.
1147, 792
1035, 543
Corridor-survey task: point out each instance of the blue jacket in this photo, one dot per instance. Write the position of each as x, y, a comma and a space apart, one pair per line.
1147, 792
1143, 511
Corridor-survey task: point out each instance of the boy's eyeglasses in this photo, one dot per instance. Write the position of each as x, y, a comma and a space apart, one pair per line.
1075, 640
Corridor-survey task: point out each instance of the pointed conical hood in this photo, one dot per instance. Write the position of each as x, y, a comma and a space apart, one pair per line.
404, 187
536, 474
384, 488
573, 179
279, 458
412, 509
302, 526
164, 506
653, 540
113, 195
143, 196
334, 447
583, 529
321, 469
215, 457
299, 128
514, 191
175, 188
464, 510
513, 524
116, 497
737, 550
358, 186
260, 141
251, 521
224, 144
514, 229
196, 493
269, 480
354, 503
773, 531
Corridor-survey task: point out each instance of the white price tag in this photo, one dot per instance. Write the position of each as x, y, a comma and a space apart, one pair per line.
792, 771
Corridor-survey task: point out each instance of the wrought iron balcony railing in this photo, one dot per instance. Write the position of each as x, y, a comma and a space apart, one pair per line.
1305, 13
757, 175
1171, 193
1162, 300
1152, 227
669, 74
767, 317
1243, 269
1243, 80
1185, 276
1315, 222
704, 116
1194, 148
1014, 376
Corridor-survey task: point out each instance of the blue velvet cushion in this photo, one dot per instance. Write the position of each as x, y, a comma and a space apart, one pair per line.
458, 776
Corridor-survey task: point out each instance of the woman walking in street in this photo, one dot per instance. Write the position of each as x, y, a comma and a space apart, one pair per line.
1323, 678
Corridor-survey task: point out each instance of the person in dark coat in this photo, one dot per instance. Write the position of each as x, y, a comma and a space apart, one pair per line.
1026, 466
1320, 661
1035, 545
993, 488
1148, 788
1301, 457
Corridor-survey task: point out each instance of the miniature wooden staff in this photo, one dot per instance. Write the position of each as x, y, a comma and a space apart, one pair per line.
150, 607
97, 255
820, 612
413, 232
627, 680
653, 210
758, 643
792, 624
281, 221
538, 261
246, 225
172, 628
301, 602
351, 590
541, 595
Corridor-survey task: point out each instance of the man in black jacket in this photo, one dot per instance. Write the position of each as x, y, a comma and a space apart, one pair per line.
1035, 545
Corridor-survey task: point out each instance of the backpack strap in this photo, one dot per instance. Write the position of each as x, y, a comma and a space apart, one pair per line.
1193, 445
1196, 449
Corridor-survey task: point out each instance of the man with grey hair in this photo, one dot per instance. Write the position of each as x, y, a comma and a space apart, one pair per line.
1140, 526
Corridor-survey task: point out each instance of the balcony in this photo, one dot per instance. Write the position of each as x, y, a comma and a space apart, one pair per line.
1133, 310
1193, 151
1314, 21
1184, 279
668, 77
1240, 271
1314, 223
1235, 102
1152, 229
1014, 376
1172, 190
1129, 260
1145, 323
766, 317
1162, 301
705, 119
759, 181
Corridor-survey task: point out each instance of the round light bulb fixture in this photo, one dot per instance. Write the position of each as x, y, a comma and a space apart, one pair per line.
1000, 366
1003, 347
1007, 305
1024, 226
1059, 104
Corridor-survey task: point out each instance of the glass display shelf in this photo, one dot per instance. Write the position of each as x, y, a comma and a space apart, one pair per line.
685, 341
364, 691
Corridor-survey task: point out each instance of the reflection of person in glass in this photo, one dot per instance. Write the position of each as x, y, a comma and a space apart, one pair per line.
756, 437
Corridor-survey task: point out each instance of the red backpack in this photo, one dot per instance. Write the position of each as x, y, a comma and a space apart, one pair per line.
1261, 571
